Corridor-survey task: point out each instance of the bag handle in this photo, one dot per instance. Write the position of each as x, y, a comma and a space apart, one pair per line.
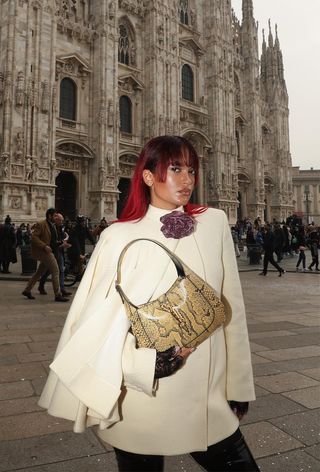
175, 259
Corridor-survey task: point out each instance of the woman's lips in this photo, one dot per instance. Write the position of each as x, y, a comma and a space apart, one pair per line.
185, 193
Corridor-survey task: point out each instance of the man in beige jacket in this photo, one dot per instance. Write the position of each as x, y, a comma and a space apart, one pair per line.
44, 237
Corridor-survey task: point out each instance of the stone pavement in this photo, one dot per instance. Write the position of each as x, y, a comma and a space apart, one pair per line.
282, 427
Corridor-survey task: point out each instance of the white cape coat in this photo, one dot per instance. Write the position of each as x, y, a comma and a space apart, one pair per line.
99, 377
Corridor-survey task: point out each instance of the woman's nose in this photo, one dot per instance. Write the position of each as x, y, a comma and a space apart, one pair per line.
187, 177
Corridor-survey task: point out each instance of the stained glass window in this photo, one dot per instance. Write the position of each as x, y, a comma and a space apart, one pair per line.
68, 99
125, 114
187, 83
183, 12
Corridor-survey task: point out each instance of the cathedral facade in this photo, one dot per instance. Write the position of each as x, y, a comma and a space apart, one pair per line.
85, 83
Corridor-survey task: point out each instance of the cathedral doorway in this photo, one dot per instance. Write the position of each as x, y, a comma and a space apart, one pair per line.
123, 187
66, 194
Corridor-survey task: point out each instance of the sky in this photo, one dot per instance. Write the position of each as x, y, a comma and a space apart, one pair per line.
298, 32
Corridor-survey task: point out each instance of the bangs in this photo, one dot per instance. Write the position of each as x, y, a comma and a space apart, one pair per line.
179, 154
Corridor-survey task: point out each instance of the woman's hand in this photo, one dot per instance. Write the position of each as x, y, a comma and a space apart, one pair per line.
171, 360
239, 408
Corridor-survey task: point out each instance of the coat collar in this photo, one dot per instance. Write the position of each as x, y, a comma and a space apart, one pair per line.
155, 213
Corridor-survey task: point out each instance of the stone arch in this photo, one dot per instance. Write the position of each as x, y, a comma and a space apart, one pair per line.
66, 194
268, 183
73, 148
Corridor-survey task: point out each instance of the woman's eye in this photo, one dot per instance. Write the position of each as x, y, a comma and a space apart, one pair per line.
175, 169
192, 171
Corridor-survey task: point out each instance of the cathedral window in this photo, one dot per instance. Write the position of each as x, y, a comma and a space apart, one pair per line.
68, 99
183, 12
125, 106
124, 44
187, 83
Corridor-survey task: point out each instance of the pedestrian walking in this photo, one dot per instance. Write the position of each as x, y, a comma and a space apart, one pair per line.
7, 245
155, 401
302, 246
268, 246
279, 241
79, 233
313, 244
44, 237
235, 237
58, 251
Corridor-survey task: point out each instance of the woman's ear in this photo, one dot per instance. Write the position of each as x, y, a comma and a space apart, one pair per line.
147, 177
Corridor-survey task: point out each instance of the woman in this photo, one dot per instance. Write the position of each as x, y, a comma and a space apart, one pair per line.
301, 243
149, 404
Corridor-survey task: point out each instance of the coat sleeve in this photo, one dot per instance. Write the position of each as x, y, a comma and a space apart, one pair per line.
96, 354
240, 385
36, 237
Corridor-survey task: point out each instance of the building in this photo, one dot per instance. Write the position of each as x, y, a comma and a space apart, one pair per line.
84, 84
306, 194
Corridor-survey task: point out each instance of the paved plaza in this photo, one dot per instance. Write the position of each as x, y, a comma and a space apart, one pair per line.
282, 427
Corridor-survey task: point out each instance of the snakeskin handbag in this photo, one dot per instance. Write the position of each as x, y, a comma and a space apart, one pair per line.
185, 316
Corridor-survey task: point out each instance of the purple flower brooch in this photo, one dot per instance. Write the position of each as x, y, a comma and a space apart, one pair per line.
177, 224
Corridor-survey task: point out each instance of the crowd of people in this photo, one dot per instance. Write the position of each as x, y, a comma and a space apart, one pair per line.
51, 241
286, 239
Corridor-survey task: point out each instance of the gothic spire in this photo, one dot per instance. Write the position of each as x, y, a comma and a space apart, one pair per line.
264, 57
270, 37
278, 56
276, 42
247, 9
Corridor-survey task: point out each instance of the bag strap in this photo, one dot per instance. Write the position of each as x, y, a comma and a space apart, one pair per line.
175, 259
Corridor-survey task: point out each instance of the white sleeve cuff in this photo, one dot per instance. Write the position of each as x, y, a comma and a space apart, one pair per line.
138, 366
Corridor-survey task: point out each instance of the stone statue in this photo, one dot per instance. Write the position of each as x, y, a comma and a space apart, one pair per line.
34, 170
4, 165
44, 148
102, 177
19, 145
28, 168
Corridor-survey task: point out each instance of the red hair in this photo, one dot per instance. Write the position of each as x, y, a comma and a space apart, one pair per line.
156, 156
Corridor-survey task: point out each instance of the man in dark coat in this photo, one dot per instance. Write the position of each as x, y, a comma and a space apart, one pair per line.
268, 246
77, 238
279, 241
7, 245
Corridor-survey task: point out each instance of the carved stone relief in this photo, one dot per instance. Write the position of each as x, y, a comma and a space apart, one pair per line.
135, 7
17, 171
73, 67
41, 204
68, 163
15, 202
73, 150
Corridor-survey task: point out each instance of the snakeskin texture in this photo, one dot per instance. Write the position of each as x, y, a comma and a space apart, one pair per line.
187, 314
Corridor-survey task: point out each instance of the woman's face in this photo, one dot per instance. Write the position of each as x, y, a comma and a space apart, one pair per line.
175, 191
